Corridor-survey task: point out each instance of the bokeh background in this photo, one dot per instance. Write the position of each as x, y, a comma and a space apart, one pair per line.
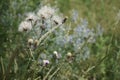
104, 62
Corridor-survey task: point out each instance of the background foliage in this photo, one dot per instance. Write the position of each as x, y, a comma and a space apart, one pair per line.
103, 64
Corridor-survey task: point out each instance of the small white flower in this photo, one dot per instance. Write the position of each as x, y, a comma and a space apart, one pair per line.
69, 54
31, 17
45, 62
55, 52
46, 12
57, 55
57, 20
25, 26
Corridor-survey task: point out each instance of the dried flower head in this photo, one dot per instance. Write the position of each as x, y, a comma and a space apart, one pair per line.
42, 27
57, 20
36, 43
64, 20
57, 55
46, 12
69, 54
32, 18
70, 57
25, 26
30, 41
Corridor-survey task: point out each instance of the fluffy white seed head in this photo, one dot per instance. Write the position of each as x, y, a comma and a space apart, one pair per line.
31, 17
25, 26
46, 12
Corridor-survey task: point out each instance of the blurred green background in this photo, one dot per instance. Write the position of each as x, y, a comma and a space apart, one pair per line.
106, 50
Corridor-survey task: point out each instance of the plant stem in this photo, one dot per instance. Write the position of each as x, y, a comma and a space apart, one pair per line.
46, 34
54, 73
48, 73
3, 70
13, 56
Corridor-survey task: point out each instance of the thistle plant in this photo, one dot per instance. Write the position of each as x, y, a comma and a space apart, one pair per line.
36, 27
68, 44
39, 43
40, 25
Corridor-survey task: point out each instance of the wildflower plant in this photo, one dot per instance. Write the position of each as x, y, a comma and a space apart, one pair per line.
68, 44
42, 45
37, 27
